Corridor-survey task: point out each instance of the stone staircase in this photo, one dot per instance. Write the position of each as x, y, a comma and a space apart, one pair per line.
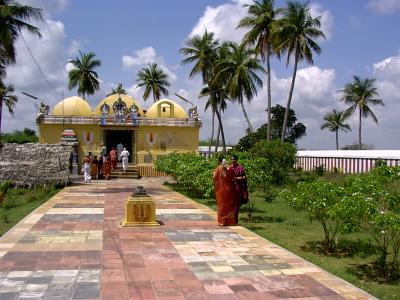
131, 172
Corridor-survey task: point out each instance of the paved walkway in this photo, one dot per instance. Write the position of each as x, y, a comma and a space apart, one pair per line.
73, 248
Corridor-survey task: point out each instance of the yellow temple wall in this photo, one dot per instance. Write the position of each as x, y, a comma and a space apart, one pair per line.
150, 141
154, 141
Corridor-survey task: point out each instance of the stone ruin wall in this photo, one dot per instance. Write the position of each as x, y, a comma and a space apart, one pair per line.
30, 165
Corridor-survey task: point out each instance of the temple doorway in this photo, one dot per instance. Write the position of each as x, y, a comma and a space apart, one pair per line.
125, 137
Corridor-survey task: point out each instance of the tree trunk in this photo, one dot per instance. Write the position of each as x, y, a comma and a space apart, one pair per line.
1, 111
285, 120
212, 134
269, 93
337, 139
218, 132
222, 132
359, 131
246, 117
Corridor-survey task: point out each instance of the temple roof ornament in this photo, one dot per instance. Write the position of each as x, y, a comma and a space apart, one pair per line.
120, 111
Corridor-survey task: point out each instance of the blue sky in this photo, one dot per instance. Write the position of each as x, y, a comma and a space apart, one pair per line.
362, 39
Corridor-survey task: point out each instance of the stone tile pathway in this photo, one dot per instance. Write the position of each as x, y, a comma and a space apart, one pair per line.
72, 247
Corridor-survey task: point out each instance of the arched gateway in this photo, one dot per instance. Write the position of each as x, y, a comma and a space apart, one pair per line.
118, 119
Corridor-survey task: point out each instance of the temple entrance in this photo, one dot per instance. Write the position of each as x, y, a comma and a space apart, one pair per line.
113, 137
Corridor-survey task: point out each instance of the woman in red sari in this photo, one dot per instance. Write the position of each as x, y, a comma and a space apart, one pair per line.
225, 193
113, 156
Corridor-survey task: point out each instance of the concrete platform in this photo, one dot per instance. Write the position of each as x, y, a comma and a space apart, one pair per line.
72, 247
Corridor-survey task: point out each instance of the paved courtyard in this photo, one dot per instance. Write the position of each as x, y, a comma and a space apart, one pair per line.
72, 247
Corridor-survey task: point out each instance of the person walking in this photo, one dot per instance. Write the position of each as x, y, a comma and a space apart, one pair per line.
113, 156
120, 147
125, 157
86, 169
225, 193
240, 185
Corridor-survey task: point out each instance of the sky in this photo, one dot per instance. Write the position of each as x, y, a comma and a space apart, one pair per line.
362, 39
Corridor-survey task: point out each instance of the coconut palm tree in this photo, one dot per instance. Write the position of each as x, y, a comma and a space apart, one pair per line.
334, 121
296, 36
261, 20
155, 81
14, 18
8, 99
201, 50
361, 94
239, 72
83, 75
204, 51
118, 90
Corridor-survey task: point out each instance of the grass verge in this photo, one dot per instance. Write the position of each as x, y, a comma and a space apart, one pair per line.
279, 223
19, 202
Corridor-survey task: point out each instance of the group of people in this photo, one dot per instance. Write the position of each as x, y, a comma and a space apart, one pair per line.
231, 191
101, 168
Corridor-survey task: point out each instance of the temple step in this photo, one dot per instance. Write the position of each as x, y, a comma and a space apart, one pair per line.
131, 172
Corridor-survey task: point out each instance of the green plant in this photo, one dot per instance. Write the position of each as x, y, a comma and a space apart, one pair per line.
320, 199
320, 170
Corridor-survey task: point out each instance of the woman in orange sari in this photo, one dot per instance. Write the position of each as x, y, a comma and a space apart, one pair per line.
225, 193
106, 169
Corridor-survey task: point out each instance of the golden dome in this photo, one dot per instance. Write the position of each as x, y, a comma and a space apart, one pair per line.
129, 101
166, 108
72, 106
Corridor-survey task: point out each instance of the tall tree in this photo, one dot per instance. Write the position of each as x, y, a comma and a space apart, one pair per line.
14, 18
335, 121
204, 51
118, 90
296, 36
361, 94
294, 130
154, 80
239, 69
83, 75
261, 20
8, 99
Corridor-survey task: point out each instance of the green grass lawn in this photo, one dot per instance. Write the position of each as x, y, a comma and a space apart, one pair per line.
18, 203
281, 224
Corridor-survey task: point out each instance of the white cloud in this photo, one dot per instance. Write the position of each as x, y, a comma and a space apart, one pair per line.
384, 7
317, 10
145, 56
74, 47
388, 68
141, 57
48, 6
222, 21
26, 76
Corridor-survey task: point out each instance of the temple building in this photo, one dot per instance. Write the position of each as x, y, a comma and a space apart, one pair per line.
163, 128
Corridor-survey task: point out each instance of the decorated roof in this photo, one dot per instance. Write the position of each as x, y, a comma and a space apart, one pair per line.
166, 108
72, 106
110, 101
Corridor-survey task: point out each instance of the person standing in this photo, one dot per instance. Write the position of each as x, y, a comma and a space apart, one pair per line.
240, 185
106, 168
94, 168
120, 147
103, 152
225, 193
86, 169
113, 157
125, 157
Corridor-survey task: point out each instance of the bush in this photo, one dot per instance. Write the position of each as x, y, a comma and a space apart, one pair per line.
278, 158
189, 170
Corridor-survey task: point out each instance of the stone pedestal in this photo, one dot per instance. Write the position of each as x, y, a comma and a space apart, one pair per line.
140, 211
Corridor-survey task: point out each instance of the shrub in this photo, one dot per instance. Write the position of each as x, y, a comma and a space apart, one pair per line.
278, 160
320, 199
